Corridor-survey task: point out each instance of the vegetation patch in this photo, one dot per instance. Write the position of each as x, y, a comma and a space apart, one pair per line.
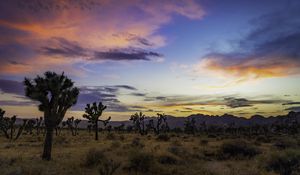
237, 149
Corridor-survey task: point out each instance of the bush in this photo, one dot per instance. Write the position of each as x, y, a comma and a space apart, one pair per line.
110, 136
263, 139
136, 142
167, 159
108, 167
94, 157
141, 162
285, 163
238, 149
163, 137
285, 143
203, 142
178, 151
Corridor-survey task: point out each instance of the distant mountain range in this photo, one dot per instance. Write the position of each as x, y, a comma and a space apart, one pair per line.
209, 120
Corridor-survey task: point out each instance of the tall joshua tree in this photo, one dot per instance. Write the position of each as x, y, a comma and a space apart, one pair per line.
56, 94
93, 113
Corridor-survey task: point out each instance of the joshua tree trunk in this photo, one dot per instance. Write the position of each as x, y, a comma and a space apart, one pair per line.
96, 130
48, 144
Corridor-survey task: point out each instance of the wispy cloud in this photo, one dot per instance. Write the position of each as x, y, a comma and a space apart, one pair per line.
271, 49
41, 32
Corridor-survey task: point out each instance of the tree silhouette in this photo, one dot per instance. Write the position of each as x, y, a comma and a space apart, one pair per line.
56, 94
93, 113
138, 120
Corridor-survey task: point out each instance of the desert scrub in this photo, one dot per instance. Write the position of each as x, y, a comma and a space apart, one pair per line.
237, 149
94, 157
163, 137
110, 136
285, 143
285, 162
140, 161
203, 142
168, 159
108, 167
136, 142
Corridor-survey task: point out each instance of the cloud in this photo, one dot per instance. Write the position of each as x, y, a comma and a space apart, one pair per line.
271, 49
128, 54
292, 103
60, 34
237, 102
295, 109
138, 94
233, 102
12, 87
63, 48
109, 95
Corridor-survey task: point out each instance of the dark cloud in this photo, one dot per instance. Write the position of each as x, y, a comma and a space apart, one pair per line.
126, 87
125, 54
292, 103
237, 102
16, 103
88, 94
132, 37
69, 49
108, 95
233, 102
12, 87
138, 94
271, 49
65, 48
295, 109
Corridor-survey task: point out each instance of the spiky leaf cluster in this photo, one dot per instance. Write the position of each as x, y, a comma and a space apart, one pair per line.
55, 93
94, 111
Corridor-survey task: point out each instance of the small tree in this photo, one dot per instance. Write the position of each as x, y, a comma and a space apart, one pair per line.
93, 113
56, 94
138, 120
190, 126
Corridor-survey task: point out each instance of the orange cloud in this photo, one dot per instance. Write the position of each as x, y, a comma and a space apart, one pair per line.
96, 25
251, 68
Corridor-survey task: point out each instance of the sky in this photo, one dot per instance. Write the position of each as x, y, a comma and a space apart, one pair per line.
178, 57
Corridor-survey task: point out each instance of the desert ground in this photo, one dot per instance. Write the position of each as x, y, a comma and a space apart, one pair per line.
171, 153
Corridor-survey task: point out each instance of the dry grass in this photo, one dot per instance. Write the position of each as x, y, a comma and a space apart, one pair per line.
180, 154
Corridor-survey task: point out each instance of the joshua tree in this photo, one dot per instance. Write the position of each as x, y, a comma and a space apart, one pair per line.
30, 125
39, 123
161, 118
138, 119
70, 122
93, 113
7, 126
56, 94
76, 123
190, 126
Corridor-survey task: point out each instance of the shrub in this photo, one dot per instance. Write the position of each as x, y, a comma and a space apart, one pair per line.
94, 157
115, 144
285, 162
178, 151
167, 159
285, 143
263, 139
203, 142
238, 149
108, 167
136, 142
163, 137
110, 136
141, 162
